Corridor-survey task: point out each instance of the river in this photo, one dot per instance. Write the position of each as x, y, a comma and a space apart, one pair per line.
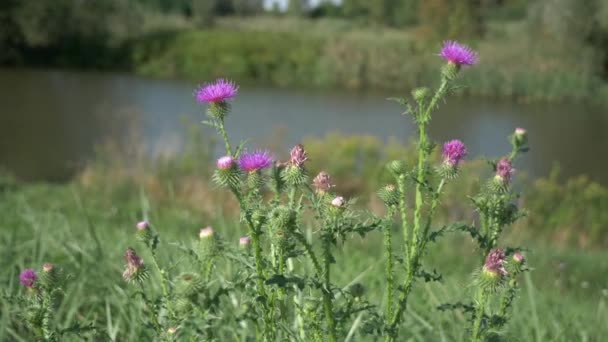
50, 121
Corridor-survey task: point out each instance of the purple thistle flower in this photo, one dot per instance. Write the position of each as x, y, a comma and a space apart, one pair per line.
495, 262
504, 170
322, 182
298, 156
225, 163
220, 91
134, 264
458, 54
143, 225
253, 161
28, 278
453, 152
244, 241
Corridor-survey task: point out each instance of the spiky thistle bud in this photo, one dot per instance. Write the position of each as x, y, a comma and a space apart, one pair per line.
135, 268
516, 264
357, 290
518, 258
294, 173
227, 173
338, 202
50, 277
397, 167
282, 221
421, 94
144, 231
207, 242
322, 183
389, 195
188, 284
519, 138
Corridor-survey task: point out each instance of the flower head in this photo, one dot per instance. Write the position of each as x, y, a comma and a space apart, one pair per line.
338, 202
453, 152
495, 262
504, 170
244, 241
518, 258
135, 266
28, 277
253, 161
458, 54
520, 137
298, 156
206, 233
219, 91
225, 163
322, 182
143, 225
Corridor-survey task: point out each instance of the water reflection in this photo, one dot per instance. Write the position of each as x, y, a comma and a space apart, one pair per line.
51, 120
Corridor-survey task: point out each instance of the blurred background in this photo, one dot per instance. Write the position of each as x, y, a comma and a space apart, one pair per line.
99, 126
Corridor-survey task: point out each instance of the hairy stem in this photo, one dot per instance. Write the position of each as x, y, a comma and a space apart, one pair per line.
481, 303
389, 263
327, 295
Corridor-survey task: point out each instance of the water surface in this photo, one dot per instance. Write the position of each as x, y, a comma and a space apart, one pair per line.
50, 121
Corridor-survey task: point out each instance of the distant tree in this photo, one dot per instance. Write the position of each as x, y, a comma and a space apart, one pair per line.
11, 37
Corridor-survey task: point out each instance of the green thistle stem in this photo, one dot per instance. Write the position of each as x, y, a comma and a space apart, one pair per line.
481, 304
224, 134
163, 284
327, 295
403, 211
413, 247
311, 254
389, 263
153, 314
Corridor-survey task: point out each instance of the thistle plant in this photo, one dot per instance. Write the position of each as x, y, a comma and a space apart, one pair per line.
281, 284
44, 290
425, 181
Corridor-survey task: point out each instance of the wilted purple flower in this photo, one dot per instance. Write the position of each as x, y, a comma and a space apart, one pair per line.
48, 267
220, 91
206, 232
255, 160
495, 262
458, 54
504, 170
338, 202
134, 264
28, 277
453, 152
322, 182
244, 241
298, 156
143, 225
225, 163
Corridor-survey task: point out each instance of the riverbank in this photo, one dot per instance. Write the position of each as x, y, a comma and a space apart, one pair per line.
304, 53
333, 53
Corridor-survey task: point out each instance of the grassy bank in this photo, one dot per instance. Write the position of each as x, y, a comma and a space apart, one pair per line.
335, 53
